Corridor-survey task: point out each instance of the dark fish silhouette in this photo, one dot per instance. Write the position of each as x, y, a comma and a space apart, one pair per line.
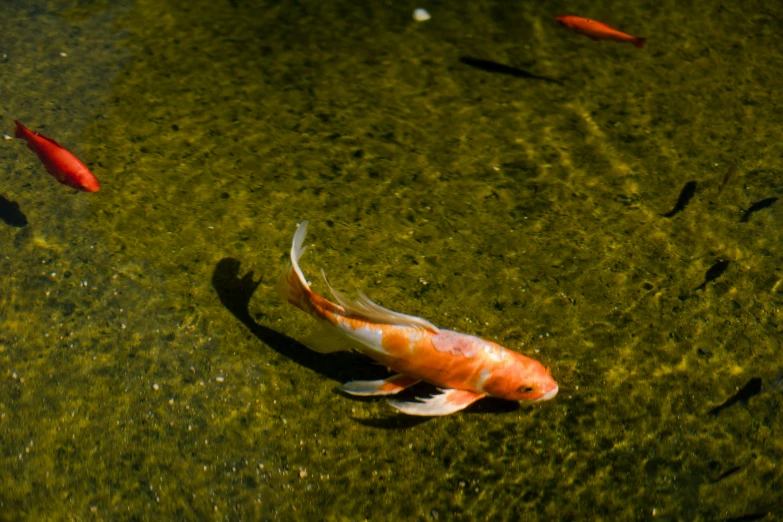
11, 213
758, 514
729, 472
755, 207
499, 68
727, 177
713, 273
686, 194
751, 389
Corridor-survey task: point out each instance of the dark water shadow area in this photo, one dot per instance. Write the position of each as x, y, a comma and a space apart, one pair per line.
499, 68
235, 293
11, 213
398, 421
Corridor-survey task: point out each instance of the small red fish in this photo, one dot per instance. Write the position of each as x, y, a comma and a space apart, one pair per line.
465, 367
60, 163
596, 30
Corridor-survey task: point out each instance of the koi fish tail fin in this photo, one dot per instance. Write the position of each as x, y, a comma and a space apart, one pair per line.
639, 42
20, 130
292, 285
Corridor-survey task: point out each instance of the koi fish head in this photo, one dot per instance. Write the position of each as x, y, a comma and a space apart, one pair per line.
522, 379
89, 184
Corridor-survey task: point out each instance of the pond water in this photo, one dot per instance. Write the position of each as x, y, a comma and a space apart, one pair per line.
586, 203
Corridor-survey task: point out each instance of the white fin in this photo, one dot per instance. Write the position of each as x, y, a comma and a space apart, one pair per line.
390, 386
292, 286
365, 308
298, 249
329, 339
449, 401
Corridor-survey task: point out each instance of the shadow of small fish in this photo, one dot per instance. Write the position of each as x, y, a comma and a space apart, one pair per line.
750, 390
499, 68
730, 472
686, 194
713, 273
758, 514
733, 168
748, 517
11, 213
755, 207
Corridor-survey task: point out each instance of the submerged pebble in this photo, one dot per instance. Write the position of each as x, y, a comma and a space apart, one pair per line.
421, 15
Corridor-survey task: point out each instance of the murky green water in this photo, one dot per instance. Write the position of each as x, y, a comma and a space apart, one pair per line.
149, 372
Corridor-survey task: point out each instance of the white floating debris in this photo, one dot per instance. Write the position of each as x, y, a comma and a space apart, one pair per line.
7, 137
421, 15
63, 54
155, 386
220, 378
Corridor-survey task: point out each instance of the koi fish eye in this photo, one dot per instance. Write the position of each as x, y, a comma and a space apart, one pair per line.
525, 389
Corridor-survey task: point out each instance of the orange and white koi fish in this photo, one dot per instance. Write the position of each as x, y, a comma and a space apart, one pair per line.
596, 30
465, 367
59, 162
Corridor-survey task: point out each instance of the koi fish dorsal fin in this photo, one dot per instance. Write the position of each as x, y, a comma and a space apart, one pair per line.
368, 308
365, 308
50, 140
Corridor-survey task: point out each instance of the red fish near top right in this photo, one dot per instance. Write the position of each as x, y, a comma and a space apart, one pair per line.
596, 30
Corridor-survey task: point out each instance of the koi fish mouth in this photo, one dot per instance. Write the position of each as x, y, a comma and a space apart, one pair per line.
549, 395
545, 397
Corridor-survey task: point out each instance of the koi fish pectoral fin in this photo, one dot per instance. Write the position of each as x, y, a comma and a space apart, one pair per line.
449, 401
390, 386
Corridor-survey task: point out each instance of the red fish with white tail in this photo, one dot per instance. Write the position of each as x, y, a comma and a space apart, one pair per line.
465, 367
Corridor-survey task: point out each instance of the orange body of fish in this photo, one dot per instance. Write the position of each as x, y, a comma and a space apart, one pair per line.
465, 367
596, 30
59, 162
